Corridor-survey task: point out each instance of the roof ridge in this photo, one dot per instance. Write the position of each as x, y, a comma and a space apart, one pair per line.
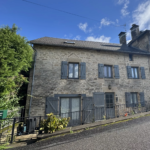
77, 40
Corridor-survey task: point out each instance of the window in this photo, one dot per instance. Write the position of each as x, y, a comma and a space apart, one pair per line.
134, 72
73, 70
133, 100
108, 71
130, 57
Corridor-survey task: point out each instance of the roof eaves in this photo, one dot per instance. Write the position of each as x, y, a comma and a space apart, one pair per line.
97, 49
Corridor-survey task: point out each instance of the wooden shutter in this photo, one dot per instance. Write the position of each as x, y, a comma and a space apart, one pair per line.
99, 99
142, 99
83, 71
101, 70
129, 74
116, 70
142, 73
87, 109
128, 99
52, 105
64, 72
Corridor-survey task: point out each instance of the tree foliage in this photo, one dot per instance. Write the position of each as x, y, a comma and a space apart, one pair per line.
15, 56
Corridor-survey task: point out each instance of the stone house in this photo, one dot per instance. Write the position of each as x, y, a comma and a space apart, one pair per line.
76, 76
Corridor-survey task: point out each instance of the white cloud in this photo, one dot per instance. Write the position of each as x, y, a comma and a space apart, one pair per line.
105, 22
77, 37
68, 36
124, 10
83, 27
117, 20
141, 15
120, 1
98, 39
128, 41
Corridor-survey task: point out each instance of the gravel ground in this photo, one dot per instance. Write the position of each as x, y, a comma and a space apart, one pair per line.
131, 135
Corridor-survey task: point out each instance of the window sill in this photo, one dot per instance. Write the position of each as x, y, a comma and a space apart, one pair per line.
134, 78
73, 79
110, 79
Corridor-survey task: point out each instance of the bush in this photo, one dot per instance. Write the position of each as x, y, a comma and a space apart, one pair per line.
53, 123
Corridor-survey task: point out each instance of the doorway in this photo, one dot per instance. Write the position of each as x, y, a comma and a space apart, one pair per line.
110, 108
70, 107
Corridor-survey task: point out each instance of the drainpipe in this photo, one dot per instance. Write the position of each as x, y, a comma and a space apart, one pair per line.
32, 79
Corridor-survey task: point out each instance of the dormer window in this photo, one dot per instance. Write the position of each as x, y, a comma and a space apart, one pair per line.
69, 42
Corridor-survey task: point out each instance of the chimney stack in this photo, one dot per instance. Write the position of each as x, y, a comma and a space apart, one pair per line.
122, 37
134, 31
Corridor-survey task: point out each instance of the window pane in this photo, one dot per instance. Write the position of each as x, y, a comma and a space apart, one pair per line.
75, 108
135, 98
75, 70
105, 71
136, 72
130, 57
131, 99
70, 70
109, 72
132, 71
64, 107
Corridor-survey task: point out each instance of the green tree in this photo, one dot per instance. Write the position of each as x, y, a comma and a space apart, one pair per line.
15, 56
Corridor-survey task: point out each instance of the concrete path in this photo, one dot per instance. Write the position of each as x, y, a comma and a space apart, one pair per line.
132, 135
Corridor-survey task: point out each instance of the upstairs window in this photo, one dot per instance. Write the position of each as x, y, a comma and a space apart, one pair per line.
107, 71
130, 57
134, 72
73, 71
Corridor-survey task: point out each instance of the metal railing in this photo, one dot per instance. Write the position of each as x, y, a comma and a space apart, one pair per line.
12, 127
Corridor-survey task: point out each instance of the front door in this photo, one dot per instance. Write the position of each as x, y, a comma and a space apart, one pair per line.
70, 107
110, 108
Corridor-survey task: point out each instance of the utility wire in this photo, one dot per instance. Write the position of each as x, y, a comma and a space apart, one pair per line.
68, 12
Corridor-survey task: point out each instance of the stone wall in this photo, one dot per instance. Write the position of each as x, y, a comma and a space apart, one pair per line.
48, 82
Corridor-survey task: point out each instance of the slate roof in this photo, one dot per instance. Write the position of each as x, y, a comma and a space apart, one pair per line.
89, 45
141, 34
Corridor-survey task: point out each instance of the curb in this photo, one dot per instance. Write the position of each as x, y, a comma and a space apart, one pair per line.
90, 125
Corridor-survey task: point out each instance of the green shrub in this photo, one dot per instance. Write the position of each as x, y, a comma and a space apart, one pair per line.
53, 123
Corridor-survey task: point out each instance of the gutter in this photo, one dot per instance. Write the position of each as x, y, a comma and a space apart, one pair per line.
32, 80
97, 49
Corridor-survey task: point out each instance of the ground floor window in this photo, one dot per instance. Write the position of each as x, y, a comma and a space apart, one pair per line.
133, 100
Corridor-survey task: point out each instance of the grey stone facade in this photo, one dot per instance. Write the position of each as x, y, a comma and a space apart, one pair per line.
48, 82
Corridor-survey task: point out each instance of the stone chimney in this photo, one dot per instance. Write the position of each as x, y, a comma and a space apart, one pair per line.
134, 31
122, 37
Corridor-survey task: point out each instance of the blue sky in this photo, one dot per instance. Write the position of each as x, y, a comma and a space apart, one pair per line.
36, 21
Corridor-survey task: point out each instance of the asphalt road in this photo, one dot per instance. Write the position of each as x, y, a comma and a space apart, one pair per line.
131, 135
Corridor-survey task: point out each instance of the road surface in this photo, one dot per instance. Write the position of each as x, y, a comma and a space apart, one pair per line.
131, 135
